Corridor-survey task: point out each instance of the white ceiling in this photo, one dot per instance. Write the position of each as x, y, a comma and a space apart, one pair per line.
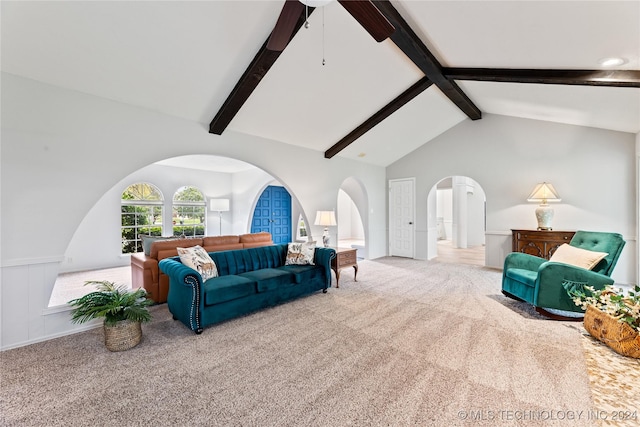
208, 163
183, 58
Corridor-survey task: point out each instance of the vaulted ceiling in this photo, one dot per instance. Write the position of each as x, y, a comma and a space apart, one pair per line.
185, 58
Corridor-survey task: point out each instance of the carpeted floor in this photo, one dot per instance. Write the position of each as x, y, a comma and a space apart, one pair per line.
411, 343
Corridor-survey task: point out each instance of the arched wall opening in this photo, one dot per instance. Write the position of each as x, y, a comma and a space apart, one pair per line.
352, 216
456, 207
95, 251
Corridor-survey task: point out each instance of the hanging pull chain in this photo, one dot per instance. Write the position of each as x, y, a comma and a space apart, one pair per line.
323, 61
306, 16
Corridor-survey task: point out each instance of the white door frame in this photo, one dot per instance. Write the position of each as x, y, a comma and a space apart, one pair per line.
412, 221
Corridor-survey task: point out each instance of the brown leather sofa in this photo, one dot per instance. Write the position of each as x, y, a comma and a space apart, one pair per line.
144, 268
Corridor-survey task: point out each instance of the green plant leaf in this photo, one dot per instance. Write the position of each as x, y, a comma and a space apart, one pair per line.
111, 302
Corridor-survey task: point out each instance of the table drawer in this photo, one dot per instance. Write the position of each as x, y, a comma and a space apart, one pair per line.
347, 257
547, 236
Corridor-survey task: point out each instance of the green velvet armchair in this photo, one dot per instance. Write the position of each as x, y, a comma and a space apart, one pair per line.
545, 284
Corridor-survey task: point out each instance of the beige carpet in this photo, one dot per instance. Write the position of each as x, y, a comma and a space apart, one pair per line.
410, 343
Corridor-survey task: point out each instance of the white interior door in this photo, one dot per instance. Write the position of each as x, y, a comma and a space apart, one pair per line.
401, 217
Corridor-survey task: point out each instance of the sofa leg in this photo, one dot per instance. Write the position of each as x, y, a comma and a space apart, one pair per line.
553, 316
199, 331
324, 291
174, 318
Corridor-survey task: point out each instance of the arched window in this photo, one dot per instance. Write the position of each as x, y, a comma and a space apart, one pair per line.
141, 214
189, 212
301, 230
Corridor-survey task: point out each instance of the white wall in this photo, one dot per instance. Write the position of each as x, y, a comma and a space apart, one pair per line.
444, 209
62, 151
637, 204
348, 218
592, 169
475, 214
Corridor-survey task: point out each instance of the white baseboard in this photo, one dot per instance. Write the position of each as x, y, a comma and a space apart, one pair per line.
87, 327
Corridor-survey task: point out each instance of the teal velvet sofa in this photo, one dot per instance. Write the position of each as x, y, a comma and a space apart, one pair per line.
545, 284
248, 280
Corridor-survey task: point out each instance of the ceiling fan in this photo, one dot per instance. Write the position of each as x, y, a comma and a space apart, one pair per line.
364, 11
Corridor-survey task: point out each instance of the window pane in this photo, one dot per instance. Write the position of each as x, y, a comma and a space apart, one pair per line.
142, 191
128, 233
140, 214
189, 212
188, 194
127, 219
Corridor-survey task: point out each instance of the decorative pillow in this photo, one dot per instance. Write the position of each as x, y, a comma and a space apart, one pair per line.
197, 258
148, 240
300, 253
568, 254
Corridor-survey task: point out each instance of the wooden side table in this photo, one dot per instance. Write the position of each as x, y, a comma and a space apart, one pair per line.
345, 257
541, 243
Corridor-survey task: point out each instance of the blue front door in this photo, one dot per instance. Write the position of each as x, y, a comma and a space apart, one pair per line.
273, 214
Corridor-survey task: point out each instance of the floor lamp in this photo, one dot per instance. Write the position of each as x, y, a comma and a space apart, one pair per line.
219, 205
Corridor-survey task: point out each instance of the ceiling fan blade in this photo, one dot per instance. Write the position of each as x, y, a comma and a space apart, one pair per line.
371, 19
285, 26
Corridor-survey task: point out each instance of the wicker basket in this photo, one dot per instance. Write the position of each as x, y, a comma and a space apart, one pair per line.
619, 336
122, 336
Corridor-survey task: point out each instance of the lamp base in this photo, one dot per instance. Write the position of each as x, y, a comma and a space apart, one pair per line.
544, 215
325, 238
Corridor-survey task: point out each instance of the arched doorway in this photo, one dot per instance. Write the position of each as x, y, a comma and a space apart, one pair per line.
456, 207
352, 217
273, 214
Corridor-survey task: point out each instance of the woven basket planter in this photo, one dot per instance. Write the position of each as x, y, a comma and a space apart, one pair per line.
620, 337
122, 336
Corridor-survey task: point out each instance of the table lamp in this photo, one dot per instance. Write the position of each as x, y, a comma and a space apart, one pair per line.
326, 219
544, 193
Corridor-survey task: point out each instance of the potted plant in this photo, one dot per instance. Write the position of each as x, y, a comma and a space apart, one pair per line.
123, 311
612, 316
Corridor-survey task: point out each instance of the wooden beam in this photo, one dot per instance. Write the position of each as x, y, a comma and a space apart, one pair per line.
615, 78
258, 68
243, 89
407, 40
406, 96
286, 25
369, 17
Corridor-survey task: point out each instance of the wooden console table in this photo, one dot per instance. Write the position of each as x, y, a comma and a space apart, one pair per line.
345, 257
541, 243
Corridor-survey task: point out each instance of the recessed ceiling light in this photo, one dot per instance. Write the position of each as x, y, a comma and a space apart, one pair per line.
362, 154
612, 62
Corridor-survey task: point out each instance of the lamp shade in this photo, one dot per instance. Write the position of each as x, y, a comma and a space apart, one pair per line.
326, 218
543, 193
219, 205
